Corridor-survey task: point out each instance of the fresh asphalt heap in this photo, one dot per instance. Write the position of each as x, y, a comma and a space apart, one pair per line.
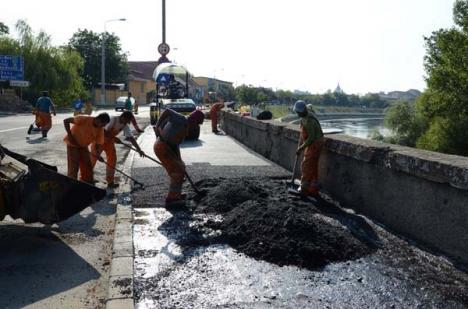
262, 221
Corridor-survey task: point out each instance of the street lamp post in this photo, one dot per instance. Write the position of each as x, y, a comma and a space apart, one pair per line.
103, 61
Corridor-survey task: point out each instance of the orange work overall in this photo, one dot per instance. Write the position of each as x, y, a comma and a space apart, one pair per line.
79, 159
111, 156
174, 166
214, 115
309, 165
45, 120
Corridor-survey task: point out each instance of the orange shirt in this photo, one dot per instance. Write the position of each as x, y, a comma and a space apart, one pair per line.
84, 131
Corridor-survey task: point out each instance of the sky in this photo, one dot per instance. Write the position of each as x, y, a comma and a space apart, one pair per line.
364, 45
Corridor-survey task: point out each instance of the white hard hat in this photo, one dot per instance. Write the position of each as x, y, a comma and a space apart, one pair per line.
299, 106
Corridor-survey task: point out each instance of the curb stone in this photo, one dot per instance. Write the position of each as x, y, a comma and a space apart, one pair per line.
120, 291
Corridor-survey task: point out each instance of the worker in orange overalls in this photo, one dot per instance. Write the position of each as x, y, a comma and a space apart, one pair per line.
171, 130
116, 125
85, 131
311, 142
44, 107
215, 108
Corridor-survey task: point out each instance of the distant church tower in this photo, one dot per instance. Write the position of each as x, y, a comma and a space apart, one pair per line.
338, 89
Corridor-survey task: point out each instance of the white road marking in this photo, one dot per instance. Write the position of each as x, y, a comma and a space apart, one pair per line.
20, 128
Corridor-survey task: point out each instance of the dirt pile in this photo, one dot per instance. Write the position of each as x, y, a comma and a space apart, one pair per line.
262, 221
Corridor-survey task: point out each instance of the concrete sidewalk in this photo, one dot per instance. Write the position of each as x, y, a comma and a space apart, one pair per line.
174, 268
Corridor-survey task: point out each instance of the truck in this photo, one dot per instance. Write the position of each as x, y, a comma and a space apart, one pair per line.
172, 91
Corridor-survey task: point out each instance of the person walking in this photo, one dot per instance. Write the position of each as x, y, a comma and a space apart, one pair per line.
116, 125
215, 108
170, 131
85, 131
44, 107
311, 142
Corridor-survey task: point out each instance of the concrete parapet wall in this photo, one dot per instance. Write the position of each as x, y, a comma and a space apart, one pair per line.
420, 194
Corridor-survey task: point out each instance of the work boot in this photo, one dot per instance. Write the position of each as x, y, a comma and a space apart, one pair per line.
30, 129
175, 203
305, 193
44, 134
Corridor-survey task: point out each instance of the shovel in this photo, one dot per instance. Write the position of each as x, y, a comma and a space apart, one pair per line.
140, 185
291, 182
197, 191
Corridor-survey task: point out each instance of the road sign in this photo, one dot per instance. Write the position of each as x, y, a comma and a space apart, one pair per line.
11, 67
163, 79
164, 49
19, 83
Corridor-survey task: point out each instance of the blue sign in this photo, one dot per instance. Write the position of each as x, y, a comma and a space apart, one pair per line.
11, 68
163, 79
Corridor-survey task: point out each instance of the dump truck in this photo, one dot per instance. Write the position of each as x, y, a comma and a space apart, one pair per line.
35, 192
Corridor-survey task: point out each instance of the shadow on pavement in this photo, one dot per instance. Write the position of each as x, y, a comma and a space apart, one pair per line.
191, 143
85, 221
36, 264
38, 140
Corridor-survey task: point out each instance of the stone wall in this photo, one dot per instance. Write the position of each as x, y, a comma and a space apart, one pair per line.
420, 194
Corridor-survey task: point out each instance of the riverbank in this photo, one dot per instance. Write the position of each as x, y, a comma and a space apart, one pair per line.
281, 111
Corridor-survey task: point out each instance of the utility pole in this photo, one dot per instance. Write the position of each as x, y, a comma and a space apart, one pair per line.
164, 21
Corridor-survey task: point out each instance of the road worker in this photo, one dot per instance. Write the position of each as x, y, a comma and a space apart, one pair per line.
311, 142
171, 130
215, 108
85, 131
116, 125
44, 106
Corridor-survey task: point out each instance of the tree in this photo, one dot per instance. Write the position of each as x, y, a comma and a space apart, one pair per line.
4, 29
46, 67
441, 112
88, 44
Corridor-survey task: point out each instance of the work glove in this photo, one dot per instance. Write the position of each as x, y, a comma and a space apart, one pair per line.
141, 153
100, 159
117, 140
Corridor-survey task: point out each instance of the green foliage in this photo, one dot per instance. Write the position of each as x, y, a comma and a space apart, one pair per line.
4, 29
407, 125
46, 67
254, 95
439, 120
89, 45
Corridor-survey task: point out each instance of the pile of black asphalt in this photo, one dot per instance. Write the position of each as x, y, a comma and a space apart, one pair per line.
260, 219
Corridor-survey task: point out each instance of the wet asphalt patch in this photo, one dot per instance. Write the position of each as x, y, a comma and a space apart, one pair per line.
185, 259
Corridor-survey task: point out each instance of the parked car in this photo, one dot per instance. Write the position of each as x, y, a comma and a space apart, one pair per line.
120, 103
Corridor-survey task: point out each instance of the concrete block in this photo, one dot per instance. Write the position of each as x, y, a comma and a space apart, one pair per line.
122, 249
125, 303
122, 266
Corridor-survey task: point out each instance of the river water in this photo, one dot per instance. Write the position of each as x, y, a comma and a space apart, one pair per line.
357, 127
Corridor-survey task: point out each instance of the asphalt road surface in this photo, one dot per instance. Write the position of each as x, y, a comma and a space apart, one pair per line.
66, 265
